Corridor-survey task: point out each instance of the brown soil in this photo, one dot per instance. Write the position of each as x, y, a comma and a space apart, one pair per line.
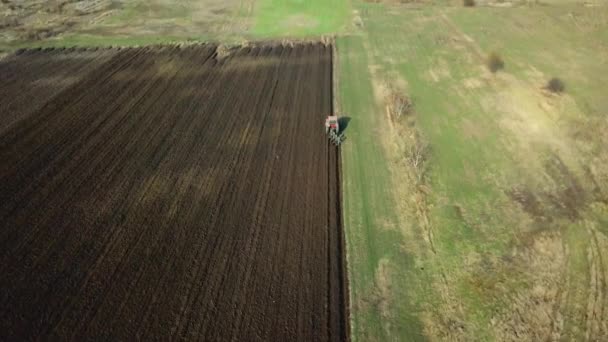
200, 201
29, 80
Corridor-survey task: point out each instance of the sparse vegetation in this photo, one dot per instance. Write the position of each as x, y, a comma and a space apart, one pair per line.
417, 158
469, 3
556, 85
495, 62
222, 51
400, 104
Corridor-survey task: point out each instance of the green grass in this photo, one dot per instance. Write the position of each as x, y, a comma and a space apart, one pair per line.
578, 240
371, 223
437, 51
300, 18
412, 54
547, 38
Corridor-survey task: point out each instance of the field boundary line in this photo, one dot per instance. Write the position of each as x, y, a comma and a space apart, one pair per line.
343, 251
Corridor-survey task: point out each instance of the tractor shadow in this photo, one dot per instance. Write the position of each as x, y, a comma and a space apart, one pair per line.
343, 123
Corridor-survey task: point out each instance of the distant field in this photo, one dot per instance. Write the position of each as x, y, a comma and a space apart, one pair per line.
144, 22
124, 22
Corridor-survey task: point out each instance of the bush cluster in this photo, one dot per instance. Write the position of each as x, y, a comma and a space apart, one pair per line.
495, 62
556, 85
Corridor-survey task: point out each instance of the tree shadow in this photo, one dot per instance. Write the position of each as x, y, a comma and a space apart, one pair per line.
343, 123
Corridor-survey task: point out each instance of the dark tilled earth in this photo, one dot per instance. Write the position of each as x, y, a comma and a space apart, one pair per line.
166, 193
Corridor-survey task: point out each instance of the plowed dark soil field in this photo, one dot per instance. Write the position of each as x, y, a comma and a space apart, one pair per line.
170, 193
29, 82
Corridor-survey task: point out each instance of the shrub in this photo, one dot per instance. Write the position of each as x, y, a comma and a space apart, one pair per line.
556, 85
495, 62
468, 3
401, 104
417, 157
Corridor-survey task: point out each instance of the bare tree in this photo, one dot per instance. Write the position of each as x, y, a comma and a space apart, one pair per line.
400, 104
418, 157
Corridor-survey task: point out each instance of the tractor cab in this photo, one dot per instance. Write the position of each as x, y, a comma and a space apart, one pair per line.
332, 129
331, 124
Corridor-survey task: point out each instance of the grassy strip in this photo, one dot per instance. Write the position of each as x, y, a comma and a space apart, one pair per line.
85, 40
297, 18
378, 266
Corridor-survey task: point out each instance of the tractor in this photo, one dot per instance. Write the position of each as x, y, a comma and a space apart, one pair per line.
332, 130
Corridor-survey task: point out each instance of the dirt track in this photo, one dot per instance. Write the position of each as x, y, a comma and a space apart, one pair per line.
165, 193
